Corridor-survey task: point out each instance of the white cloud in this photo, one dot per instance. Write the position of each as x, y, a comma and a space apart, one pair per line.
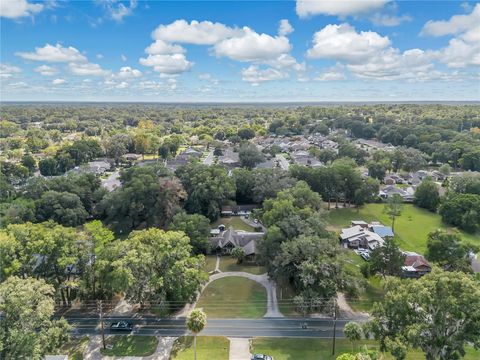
340, 8
369, 55
464, 49
284, 28
254, 75
391, 64
50, 53
160, 47
123, 57
122, 85
99, 56
335, 73
251, 46
46, 70
342, 42
7, 71
195, 32
167, 64
389, 20
126, 72
117, 11
13, 9
456, 25
59, 81
87, 69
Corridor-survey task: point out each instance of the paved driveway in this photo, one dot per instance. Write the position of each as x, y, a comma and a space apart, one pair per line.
239, 348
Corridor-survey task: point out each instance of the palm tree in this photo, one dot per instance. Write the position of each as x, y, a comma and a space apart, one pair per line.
196, 321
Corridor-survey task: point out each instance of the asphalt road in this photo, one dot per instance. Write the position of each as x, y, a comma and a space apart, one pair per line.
243, 328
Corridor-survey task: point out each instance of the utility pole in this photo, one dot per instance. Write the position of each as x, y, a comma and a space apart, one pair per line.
334, 324
100, 307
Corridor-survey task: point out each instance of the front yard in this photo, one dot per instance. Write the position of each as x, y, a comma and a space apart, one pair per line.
234, 221
233, 297
312, 349
208, 348
129, 345
227, 263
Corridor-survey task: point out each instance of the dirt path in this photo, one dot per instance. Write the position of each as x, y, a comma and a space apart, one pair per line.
346, 311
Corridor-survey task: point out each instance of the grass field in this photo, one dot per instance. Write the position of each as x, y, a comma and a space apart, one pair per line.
129, 345
233, 297
228, 263
411, 228
373, 292
235, 222
313, 349
210, 262
208, 348
75, 347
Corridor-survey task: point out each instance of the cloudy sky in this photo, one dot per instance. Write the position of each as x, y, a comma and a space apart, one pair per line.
357, 50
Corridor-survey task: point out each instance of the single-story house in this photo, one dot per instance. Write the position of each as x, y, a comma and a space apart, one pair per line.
388, 191
415, 265
360, 237
227, 240
238, 210
381, 230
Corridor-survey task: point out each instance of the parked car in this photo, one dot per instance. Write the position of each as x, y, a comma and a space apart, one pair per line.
121, 326
261, 357
365, 256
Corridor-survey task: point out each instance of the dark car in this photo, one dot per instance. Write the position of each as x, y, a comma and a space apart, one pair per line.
121, 326
261, 357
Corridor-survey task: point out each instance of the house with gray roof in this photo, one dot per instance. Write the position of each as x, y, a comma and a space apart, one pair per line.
227, 240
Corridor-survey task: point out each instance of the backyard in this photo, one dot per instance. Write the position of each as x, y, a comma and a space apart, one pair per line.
208, 348
233, 297
411, 228
234, 221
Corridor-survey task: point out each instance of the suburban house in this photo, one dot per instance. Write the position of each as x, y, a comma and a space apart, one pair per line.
226, 240
415, 265
388, 191
238, 210
366, 236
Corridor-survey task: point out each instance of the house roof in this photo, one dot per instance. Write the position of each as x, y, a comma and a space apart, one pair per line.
382, 230
415, 260
351, 232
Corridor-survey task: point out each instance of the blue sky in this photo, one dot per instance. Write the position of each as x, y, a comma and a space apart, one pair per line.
357, 50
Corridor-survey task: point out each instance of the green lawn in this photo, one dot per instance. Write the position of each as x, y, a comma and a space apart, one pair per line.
310, 349
235, 222
75, 348
208, 348
129, 345
411, 228
210, 262
234, 297
285, 295
373, 292
228, 263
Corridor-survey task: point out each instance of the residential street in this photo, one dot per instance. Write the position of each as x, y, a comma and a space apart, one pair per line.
239, 328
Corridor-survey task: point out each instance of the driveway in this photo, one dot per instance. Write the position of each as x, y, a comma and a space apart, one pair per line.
239, 348
209, 159
476, 265
284, 164
112, 182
